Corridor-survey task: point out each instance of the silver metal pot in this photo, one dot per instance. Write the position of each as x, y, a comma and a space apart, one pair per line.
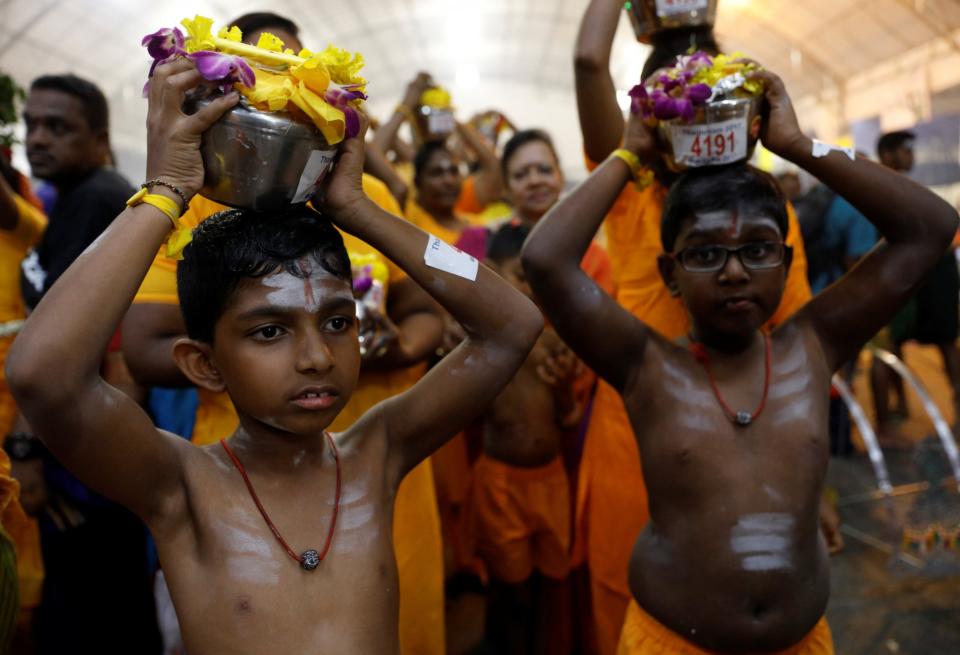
261, 160
723, 127
651, 16
434, 124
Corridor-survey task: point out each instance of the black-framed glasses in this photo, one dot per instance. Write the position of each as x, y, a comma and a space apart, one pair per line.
754, 256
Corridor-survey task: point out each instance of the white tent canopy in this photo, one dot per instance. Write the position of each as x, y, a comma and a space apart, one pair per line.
843, 60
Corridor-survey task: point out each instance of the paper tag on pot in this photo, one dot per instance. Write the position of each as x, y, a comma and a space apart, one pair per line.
440, 123
440, 254
673, 7
318, 165
710, 144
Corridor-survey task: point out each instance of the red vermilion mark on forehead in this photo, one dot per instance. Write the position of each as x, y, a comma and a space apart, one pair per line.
734, 216
307, 283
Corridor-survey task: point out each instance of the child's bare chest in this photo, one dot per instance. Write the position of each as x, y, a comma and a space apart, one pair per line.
243, 588
692, 442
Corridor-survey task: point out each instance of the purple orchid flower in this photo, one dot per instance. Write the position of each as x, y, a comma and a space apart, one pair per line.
363, 282
340, 97
699, 93
223, 68
638, 99
163, 45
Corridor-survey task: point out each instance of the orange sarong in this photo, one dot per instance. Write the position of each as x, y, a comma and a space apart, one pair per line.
522, 519
644, 635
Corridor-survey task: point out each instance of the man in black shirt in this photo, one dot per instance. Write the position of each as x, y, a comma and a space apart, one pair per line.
68, 145
98, 588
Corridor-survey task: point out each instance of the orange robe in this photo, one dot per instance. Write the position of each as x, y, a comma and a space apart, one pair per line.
611, 504
416, 524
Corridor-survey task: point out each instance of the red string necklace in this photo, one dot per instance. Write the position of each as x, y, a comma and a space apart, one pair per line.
309, 559
741, 418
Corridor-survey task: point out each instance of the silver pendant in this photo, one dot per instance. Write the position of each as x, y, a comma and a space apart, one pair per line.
309, 560
743, 418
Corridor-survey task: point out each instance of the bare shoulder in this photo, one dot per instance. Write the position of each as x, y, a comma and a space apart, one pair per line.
798, 337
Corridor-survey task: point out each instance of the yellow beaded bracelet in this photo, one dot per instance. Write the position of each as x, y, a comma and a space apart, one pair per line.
629, 158
167, 205
642, 177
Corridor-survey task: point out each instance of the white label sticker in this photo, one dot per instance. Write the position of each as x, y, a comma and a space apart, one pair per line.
318, 165
821, 149
674, 7
710, 144
440, 254
440, 122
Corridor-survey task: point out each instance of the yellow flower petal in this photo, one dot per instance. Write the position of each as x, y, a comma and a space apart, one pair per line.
270, 42
271, 92
177, 241
313, 73
232, 34
199, 33
437, 98
328, 119
344, 67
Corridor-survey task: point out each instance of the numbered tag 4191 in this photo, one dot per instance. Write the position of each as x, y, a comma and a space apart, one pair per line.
711, 144
674, 7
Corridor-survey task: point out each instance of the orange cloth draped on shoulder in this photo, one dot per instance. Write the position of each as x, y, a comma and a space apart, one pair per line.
644, 635
22, 530
416, 525
468, 203
611, 503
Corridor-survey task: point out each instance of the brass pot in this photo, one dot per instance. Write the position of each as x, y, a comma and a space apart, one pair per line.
651, 16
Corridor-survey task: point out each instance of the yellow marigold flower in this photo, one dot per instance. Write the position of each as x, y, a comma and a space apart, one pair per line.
270, 42
344, 67
436, 98
271, 92
232, 34
199, 33
313, 73
329, 120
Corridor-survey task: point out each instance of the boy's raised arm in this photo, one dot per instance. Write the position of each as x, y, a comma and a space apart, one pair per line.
601, 121
501, 324
98, 432
916, 225
603, 334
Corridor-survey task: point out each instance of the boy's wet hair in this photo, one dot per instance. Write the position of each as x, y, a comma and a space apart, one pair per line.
424, 155
239, 244
717, 188
507, 242
522, 138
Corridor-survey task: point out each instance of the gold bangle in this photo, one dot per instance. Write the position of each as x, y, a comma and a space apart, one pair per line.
168, 206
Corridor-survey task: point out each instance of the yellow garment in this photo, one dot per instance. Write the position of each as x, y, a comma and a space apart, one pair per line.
416, 524
25, 536
23, 531
14, 245
611, 505
422, 219
644, 635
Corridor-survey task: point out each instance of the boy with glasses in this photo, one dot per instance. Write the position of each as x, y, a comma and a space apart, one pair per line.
732, 426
